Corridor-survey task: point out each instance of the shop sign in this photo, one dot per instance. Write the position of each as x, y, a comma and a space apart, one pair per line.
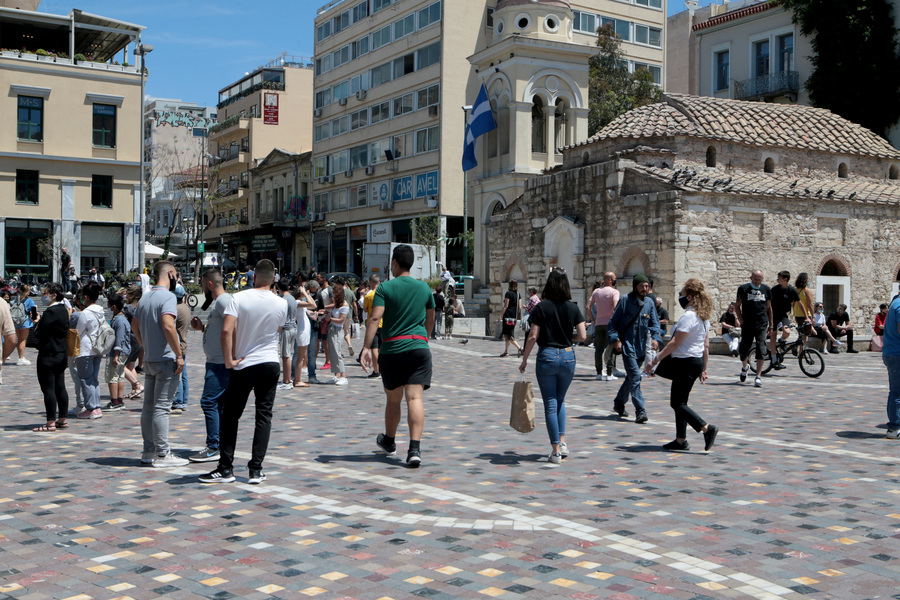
263, 243
381, 232
403, 188
427, 184
270, 108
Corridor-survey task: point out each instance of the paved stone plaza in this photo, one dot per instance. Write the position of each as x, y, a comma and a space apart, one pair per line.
797, 500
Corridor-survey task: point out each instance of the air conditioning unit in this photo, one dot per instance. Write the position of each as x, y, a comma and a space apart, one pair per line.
312, 217
433, 110
329, 179
348, 173
361, 95
323, 180
321, 216
342, 102
317, 113
370, 170
387, 205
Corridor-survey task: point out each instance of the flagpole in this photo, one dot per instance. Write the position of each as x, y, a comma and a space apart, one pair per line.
465, 268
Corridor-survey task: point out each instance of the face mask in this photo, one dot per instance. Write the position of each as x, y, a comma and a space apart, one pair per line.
172, 284
683, 301
820, 311
755, 287
208, 299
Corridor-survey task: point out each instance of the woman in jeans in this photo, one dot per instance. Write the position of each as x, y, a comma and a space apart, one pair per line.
52, 360
88, 365
684, 360
24, 329
336, 318
552, 322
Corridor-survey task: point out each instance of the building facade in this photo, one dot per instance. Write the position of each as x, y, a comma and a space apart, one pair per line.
712, 188
70, 160
266, 109
392, 78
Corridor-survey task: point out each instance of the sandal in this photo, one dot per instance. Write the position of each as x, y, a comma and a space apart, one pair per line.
136, 392
504, 355
44, 428
301, 385
62, 424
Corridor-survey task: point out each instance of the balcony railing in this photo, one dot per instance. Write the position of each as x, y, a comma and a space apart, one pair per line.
784, 83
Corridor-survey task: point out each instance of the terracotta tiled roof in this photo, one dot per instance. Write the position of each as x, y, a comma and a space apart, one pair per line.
773, 185
735, 14
752, 123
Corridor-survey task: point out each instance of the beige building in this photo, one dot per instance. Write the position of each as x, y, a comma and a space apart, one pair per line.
70, 161
712, 188
266, 109
391, 80
280, 189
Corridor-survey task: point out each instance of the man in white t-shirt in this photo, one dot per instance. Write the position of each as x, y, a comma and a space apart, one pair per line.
250, 348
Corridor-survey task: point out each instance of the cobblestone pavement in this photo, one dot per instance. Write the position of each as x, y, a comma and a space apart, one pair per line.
797, 500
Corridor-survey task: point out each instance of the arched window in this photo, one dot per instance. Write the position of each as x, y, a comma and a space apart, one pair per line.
894, 172
493, 134
561, 121
711, 156
769, 166
842, 170
833, 269
538, 126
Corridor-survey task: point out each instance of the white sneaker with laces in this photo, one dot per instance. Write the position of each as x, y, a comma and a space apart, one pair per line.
824, 350
23, 362
612, 378
757, 382
341, 381
555, 458
563, 449
284, 386
169, 460
892, 434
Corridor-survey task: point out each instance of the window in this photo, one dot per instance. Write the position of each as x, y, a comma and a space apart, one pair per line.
381, 74
398, 146
538, 126
323, 132
650, 36
711, 156
361, 47
339, 199
786, 53
359, 156
405, 26
761, 58
165, 220
31, 119
380, 112
320, 168
105, 125
585, 22
723, 70
320, 202
403, 105
381, 37
26, 187
654, 70
359, 119
404, 65
893, 172
340, 161
341, 90
489, 18
427, 140
427, 56
430, 14
428, 96
379, 4
361, 194
650, 3
101, 191
360, 11
769, 165
340, 125
842, 170
323, 31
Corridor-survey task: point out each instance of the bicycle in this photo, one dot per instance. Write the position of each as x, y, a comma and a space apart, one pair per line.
192, 300
812, 363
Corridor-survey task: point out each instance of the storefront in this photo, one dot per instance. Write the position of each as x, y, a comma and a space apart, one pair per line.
358, 237
101, 248
25, 240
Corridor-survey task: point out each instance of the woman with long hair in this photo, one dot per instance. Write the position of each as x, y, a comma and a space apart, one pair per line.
803, 308
684, 360
512, 307
88, 364
23, 328
552, 322
52, 360
336, 318
132, 297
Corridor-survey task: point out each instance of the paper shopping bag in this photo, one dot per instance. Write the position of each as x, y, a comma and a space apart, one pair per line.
521, 414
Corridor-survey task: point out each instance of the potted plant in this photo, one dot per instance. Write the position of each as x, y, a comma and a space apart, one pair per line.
79, 58
7, 53
26, 54
43, 55
62, 57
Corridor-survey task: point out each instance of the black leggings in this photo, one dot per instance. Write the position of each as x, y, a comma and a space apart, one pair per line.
51, 375
683, 372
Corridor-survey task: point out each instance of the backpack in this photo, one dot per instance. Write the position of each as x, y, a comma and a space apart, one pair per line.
105, 338
18, 313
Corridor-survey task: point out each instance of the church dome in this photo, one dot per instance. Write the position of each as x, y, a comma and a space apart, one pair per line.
556, 3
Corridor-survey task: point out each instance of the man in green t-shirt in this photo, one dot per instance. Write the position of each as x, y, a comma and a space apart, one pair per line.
406, 306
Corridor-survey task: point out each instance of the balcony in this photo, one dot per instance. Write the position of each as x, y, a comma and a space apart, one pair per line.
784, 83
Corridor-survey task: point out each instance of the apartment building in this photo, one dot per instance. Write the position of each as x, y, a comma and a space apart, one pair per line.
268, 108
392, 80
70, 160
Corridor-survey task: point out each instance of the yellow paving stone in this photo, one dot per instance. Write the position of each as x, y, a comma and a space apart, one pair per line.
79, 597
141, 540
600, 575
693, 477
490, 572
329, 525
805, 580
831, 572
672, 533
82, 528
242, 512
229, 501
167, 577
563, 582
119, 587
838, 528
538, 504
702, 513
269, 589
586, 564
418, 580
301, 507
756, 484
10, 587
100, 568
894, 515
335, 575
591, 502
25, 493
418, 533
492, 591
167, 529
642, 504
449, 570
201, 515
214, 581
123, 554
162, 555
245, 534
308, 542
759, 501
83, 540
572, 553
49, 506
116, 521
636, 490
302, 532
414, 501
313, 591
2, 500
352, 538
712, 585
846, 541
202, 508
123, 598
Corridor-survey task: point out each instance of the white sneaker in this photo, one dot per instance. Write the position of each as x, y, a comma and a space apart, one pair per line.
169, 460
23, 362
555, 458
563, 449
757, 382
892, 434
824, 350
333, 381
591, 345
284, 386
612, 378
341, 381
836, 343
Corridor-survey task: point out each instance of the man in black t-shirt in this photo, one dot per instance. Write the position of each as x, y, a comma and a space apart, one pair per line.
783, 297
728, 322
839, 325
438, 311
753, 309
65, 262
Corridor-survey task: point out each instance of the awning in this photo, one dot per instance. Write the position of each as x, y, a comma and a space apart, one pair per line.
151, 251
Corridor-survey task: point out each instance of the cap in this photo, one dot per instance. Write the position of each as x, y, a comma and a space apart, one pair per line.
179, 291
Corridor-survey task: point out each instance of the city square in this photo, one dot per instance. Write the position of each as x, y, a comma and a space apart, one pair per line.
796, 499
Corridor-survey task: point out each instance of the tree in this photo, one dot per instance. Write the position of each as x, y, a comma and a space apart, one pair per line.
174, 179
612, 89
427, 232
856, 66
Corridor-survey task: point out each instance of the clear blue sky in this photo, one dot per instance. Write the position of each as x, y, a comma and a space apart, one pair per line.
202, 46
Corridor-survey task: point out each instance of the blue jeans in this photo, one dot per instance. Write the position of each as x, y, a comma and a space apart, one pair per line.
211, 400
554, 369
893, 403
311, 353
632, 384
181, 392
88, 368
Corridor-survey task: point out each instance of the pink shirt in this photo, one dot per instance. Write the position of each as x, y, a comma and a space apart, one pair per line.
605, 299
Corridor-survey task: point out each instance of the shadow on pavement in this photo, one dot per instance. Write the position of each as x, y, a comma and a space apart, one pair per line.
357, 458
640, 448
611, 417
509, 458
859, 435
117, 461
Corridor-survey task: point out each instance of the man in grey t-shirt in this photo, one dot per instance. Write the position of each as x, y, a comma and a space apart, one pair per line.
217, 375
153, 326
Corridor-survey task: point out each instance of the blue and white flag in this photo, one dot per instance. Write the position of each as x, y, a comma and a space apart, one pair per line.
481, 121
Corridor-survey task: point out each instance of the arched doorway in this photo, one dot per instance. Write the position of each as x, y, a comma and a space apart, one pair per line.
833, 284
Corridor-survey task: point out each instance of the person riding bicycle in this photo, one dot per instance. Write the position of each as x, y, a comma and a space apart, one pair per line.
783, 297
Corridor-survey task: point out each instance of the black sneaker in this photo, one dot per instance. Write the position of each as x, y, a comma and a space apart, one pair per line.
710, 436
217, 476
113, 406
779, 366
641, 418
389, 450
852, 351
374, 375
620, 410
675, 445
744, 371
256, 476
413, 458
734, 353
313, 381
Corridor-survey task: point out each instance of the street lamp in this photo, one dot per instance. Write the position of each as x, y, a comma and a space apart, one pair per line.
142, 50
330, 226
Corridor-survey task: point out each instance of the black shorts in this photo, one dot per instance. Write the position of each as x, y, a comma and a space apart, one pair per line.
784, 321
748, 336
376, 341
405, 368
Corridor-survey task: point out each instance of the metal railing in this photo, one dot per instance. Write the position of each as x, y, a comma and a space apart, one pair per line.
767, 86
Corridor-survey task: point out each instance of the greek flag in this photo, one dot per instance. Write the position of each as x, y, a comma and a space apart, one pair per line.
481, 121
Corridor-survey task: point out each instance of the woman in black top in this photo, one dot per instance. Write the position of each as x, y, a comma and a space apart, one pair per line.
52, 360
552, 322
512, 305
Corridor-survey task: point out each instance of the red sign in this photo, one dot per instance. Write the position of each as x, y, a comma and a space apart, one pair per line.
270, 108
